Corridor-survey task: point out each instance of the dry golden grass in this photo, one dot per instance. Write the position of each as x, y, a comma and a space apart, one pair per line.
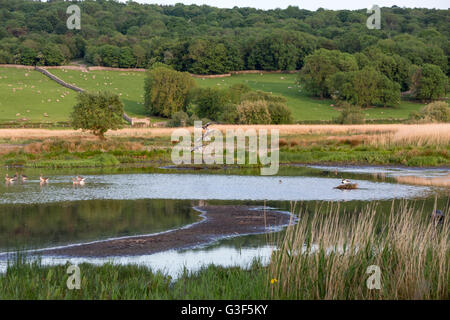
7, 148
327, 258
419, 135
377, 135
432, 182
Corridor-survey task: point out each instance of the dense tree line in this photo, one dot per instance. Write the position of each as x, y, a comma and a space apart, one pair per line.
208, 40
371, 77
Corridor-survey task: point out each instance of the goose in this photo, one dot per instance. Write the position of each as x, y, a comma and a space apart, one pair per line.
77, 182
9, 179
43, 179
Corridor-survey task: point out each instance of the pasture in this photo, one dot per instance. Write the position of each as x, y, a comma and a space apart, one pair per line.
128, 85
303, 106
28, 94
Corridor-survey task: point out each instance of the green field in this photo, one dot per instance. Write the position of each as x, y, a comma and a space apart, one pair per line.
128, 85
303, 106
35, 94
29, 94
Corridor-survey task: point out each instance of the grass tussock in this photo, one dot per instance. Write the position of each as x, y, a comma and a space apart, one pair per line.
78, 145
327, 256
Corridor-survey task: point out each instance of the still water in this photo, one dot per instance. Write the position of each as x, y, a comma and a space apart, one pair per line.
201, 187
116, 205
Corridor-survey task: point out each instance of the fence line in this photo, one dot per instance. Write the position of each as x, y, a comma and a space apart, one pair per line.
130, 120
100, 68
58, 80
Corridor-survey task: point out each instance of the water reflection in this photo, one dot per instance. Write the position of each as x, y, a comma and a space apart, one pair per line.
39, 225
173, 262
115, 205
191, 186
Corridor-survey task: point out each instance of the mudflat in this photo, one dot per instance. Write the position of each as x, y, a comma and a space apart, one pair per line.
218, 222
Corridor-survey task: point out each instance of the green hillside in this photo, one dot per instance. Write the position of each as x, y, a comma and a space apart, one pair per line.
26, 93
37, 94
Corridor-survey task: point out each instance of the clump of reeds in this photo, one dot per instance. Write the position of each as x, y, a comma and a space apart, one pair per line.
327, 256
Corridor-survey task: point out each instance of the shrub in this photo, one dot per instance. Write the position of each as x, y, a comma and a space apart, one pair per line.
179, 119
210, 101
437, 111
229, 114
279, 113
261, 95
166, 91
350, 115
429, 82
97, 112
237, 90
253, 112
364, 88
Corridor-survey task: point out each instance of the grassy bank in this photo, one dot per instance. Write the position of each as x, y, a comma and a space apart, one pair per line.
409, 145
326, 256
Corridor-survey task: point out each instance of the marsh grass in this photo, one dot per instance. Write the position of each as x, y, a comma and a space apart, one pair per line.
326, 256
30, 280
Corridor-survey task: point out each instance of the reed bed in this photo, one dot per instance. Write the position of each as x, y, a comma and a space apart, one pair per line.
327, 256
383, 133
417, 135
420, 181
284, 129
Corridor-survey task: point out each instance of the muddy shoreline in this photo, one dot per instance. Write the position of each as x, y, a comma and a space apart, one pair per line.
218, 222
